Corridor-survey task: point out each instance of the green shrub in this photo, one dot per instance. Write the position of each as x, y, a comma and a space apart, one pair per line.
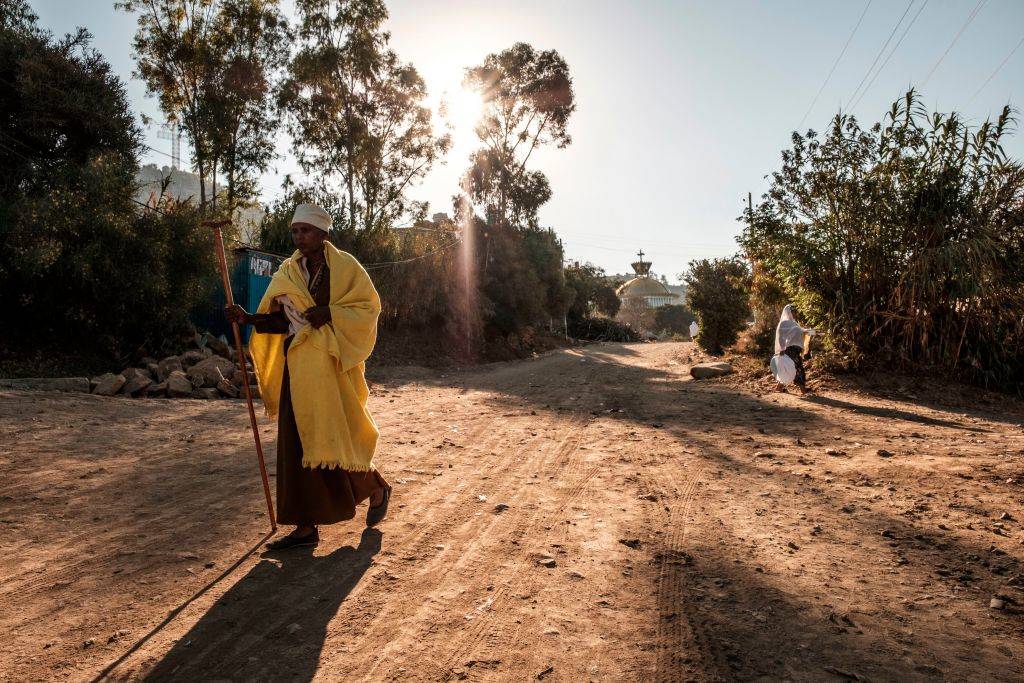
902, 243
717, 291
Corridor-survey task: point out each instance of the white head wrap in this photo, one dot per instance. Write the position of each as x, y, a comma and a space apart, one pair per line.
314, 215
789, 333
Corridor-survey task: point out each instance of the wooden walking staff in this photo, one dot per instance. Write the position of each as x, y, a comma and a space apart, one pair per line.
226, 280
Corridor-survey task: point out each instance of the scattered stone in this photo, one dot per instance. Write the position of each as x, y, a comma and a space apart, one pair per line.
210, 371
997, 603
482, 498
500, 507
763, 454
882, 453
547, 561
576, 576
81, 384
792, 545
136, 385
709, 370
849, 675
293, 629
834, 451
228, 389
108, 384
178, 385
545, 672
630, 542
219, 345
191, 357
132, 373
89, 643
166, 367
1006, 516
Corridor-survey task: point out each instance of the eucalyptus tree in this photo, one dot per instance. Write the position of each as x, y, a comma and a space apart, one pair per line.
528, 100
212, 64
356, 112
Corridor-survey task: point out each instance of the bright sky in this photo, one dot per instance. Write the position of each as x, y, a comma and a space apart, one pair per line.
683, 107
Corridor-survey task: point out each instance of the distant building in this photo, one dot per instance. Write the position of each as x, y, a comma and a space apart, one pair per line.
183, 186
646, 290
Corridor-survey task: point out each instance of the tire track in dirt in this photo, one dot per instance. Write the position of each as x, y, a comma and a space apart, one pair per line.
676, 626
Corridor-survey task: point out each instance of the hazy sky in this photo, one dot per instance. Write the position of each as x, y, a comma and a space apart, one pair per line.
683, 107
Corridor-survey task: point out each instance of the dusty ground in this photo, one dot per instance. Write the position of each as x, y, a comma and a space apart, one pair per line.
700, 530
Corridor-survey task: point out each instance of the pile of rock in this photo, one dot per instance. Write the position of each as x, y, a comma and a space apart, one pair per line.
208, 370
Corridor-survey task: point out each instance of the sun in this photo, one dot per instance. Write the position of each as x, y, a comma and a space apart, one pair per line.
461, 109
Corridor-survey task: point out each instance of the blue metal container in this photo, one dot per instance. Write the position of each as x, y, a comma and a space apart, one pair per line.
251, 270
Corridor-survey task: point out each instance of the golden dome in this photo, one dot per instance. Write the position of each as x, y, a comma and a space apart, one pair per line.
641, 287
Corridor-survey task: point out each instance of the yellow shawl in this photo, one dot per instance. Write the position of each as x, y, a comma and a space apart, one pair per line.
325, 366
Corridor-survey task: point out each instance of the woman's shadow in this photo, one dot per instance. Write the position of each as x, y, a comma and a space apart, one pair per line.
272, 624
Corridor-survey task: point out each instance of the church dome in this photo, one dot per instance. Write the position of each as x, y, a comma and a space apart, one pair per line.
643, 286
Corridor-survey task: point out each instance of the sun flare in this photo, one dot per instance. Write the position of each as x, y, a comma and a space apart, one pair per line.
461, 109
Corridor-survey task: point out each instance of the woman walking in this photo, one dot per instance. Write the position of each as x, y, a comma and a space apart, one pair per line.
789, 340
314, 329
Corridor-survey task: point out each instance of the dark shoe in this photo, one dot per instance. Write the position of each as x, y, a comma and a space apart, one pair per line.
376, 513
293, 541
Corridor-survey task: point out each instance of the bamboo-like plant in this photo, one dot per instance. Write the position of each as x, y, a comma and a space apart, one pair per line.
903, 242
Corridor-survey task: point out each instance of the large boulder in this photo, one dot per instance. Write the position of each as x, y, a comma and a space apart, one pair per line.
47, 384
209, 371
178, 385
709, 370
158, 390
206, 393
109, 384
167, 366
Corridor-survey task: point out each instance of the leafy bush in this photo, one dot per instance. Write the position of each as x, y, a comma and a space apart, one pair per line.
83, 268
717, 291
903, 243
601, 329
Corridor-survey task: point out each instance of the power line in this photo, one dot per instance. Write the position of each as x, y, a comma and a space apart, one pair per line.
385, 264
835, 64
880, 52
970, 18
891, 52
998, 69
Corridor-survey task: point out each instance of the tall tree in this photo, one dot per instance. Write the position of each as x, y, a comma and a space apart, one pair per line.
356, 111
212, 64
528, 99
175, 56
251, 42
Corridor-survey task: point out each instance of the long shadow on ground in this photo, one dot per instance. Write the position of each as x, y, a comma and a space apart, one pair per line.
272, 624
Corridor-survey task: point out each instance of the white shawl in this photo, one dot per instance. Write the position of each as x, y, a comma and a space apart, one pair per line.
789, 333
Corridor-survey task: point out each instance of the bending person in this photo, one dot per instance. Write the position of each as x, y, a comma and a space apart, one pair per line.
314, 329
789, 339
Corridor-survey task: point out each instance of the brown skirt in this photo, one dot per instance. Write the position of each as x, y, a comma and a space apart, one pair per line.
308, 496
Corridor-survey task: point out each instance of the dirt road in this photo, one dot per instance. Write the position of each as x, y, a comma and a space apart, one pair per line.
694, 531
